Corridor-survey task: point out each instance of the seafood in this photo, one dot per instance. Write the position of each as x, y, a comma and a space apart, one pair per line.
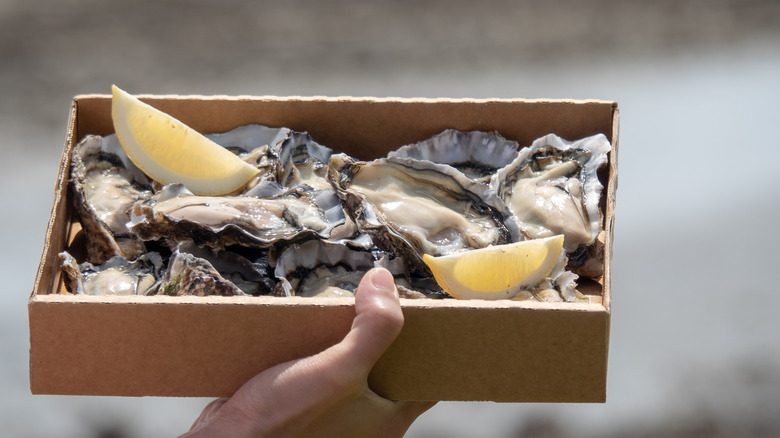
552, 187
301, 160
412, 207
477, 154
175, 214
248, 269
319, 268
190, 275
105, 185
311, 223
258, 145
117, 276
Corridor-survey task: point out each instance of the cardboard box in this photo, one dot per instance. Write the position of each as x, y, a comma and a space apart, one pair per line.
209, 346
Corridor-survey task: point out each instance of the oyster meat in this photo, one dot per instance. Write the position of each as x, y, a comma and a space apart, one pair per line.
117, 276
552, 187
176, 214
412, 207
105, 185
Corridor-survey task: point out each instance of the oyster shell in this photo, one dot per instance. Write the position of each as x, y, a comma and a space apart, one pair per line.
191, 275
174, 214
552, 187
327, 269
117, 276
301, 160
105, 185
478, 154
320, 268
411, 207
256, 144
249, 270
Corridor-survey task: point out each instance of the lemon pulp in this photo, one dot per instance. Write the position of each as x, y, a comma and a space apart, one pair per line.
497, 271
169, 151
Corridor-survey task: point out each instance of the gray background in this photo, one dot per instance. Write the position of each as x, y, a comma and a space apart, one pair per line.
694, 349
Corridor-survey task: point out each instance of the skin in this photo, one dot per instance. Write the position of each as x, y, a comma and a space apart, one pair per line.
325, 395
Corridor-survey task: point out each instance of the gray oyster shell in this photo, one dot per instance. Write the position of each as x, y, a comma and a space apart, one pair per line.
411, 207
552, 187
249, 270
105, 185
175, 215
326, 269
117, 276
478, 154
301, 160
191, 275
321, 268
256, 144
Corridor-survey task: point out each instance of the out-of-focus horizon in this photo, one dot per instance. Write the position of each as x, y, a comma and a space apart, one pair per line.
692, 349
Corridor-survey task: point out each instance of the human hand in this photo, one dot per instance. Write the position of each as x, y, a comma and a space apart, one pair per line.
325, 395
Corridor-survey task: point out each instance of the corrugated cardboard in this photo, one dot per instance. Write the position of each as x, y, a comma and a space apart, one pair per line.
209, 346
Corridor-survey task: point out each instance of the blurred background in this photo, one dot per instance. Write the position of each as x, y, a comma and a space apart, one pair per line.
694, 348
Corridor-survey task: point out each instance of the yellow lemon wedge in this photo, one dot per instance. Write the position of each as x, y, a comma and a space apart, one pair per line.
169, 151
496, 272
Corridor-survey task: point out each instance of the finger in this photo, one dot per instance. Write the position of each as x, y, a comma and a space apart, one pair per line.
377, 323
208, 413
343, 368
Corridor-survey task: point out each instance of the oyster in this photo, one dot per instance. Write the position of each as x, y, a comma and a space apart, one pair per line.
249, 270
320, 268
175, 214
191, 275
412, 207
105, 185
301, 160
326, 269
256, 144
552, 187
478, 154
117, 276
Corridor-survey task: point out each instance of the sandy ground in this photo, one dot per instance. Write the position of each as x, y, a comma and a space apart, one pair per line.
692, 350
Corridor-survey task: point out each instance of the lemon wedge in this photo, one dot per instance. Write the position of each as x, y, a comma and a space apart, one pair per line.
169, 151
496, 272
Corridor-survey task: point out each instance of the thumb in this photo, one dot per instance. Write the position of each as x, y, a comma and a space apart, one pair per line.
378, 319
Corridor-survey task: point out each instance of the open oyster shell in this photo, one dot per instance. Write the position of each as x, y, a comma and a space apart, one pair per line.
258, 145
478, 154
411, 207
117, 276
175, 214
191, 275
320, 268
105, 185
552, 187
301, 160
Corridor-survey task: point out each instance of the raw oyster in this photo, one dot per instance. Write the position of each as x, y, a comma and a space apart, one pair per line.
326, 269
301, 160
411, 207
249, 270
552, 187
478, 154
117, 276
175, 214
256, 144
105, 185
191, 275
320, 268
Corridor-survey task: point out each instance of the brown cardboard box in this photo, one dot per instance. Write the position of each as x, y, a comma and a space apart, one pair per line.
209, 346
